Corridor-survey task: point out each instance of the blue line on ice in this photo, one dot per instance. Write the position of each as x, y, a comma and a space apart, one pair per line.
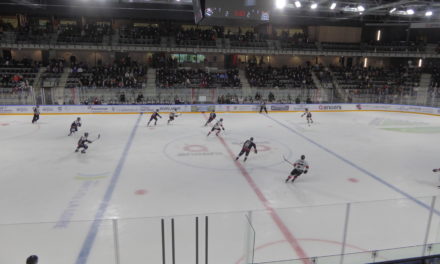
372, 175
91, 235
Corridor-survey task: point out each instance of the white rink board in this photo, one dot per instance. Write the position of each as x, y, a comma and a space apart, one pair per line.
120, 109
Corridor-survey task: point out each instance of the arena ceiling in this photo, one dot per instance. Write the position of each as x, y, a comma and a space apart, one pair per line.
281, 11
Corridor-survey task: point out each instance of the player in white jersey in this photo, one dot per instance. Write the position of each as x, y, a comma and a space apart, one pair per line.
308, 115
217, 127
75, 125
299, 167
173, 115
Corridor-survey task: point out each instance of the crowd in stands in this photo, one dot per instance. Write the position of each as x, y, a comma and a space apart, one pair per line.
149, 33
381, 81
247, 39
141, 35
17, 76
295, 41
197, 37
89, 33
400, 46
34, 33
124, 74
196, 78
281, 77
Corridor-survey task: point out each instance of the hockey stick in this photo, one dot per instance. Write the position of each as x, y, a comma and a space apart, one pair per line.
99, 136
286, 160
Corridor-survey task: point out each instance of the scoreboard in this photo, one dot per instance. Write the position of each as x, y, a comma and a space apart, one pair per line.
238, 9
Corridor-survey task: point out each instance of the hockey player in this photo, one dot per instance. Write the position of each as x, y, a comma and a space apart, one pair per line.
299, 167
36, 114
436, 170
247, 146
263, 107
33, 259
308, 115
212, 116
82, 143
74, 126
173, 115
154, 117
217, 127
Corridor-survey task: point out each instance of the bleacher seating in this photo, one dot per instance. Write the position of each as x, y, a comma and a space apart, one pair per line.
283, 77
140, 35
89, 33
118, 75
360, 80
196, 78
17, 76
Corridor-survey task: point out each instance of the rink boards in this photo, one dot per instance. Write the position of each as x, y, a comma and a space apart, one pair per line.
237, 108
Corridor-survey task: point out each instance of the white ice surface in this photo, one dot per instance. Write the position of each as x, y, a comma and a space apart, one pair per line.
176, 171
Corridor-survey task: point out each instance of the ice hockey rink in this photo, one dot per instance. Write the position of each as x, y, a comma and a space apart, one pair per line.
69, 207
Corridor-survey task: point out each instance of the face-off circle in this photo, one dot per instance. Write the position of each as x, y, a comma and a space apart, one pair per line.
209, 153
4, 124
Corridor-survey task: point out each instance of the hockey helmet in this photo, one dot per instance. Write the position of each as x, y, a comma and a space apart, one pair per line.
221, 119
252, 139
157, 110
303, 157
33, 259
86, 134
307, 109
78, 118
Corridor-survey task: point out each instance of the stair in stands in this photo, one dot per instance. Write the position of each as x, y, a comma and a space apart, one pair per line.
150, 88
245, 86
423, 89
322, 92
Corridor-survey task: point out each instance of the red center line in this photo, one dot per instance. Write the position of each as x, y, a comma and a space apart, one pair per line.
276, 218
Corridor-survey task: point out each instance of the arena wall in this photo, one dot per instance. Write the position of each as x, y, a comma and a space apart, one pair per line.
233, 108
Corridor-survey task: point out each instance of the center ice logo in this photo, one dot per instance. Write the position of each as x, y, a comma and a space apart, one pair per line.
207, 153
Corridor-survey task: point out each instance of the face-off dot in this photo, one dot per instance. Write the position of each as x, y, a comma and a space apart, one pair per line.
354, 180
141, 192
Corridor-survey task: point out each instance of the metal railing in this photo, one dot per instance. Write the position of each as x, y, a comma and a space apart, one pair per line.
357, 232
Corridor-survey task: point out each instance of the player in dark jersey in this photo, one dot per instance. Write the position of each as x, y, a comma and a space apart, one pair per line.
308, 115
154, 117
36, 114
173, 115
217, 127
299, 167
212, 116
75, 125
82, 143
263, 107
247, 146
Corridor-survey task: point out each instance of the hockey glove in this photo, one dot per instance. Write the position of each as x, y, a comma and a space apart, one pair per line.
435, 170
305, 172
